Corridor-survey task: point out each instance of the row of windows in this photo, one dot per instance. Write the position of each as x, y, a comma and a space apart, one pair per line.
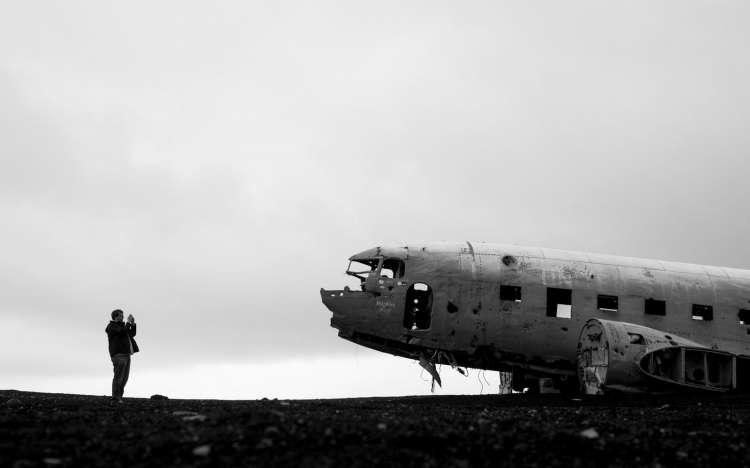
559, 304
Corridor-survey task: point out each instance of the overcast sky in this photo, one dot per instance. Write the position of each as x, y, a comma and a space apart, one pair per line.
208, 167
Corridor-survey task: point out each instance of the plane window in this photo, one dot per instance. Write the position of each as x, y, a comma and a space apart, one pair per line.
606, 303
744, 317
655, 307
392, 268
510, 293
559, 303
703, 312
362, 268
636, 338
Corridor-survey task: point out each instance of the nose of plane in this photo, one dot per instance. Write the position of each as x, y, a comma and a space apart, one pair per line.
331, 300
349, 309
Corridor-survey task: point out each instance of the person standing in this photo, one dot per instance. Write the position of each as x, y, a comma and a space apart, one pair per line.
121, 346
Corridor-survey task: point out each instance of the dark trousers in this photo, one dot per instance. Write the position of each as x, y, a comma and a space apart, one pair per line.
121, 368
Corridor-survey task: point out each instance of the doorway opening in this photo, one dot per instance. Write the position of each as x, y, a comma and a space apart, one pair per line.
418, 310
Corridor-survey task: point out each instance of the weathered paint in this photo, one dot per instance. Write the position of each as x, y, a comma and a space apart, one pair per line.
471, 322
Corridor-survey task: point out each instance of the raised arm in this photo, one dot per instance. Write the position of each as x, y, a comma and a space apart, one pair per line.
115, 330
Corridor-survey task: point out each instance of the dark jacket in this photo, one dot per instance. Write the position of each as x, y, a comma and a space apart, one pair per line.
119, 333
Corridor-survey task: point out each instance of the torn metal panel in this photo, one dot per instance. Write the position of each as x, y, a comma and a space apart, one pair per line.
429, 365
630, 357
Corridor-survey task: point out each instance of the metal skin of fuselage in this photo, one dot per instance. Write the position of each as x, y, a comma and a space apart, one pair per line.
472, 325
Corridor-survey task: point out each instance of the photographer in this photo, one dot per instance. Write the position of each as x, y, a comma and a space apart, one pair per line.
121, 347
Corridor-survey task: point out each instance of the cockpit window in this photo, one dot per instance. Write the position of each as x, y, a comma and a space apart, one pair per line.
392, 268
363, 267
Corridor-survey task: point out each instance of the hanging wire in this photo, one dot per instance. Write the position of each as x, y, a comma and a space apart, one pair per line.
484, 376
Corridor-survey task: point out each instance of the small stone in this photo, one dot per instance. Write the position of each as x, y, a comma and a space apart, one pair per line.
382, 426
52, 461
460, 463
194, 417
13, 403
681, 454
589, 433
202, 451
159, 397
189, 416
264, 443
271, 430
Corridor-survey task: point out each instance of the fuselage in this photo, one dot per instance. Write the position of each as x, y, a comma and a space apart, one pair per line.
503, 307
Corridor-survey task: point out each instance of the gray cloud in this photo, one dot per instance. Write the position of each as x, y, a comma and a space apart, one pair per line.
210, 169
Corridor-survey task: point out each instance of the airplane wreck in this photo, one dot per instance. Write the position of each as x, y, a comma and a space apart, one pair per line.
591, 323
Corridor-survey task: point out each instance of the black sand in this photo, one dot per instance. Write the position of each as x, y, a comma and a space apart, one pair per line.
515, 430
